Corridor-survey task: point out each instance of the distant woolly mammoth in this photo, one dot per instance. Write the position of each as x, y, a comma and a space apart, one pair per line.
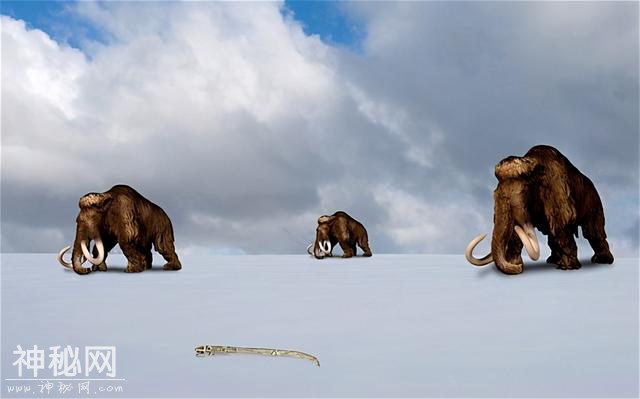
542, 190
120, 216
339, 228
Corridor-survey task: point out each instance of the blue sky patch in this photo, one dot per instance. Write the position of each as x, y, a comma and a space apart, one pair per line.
56, 18
330, 20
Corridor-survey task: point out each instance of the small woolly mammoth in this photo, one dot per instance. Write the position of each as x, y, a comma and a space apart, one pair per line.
342, 229
121, 216
542, 190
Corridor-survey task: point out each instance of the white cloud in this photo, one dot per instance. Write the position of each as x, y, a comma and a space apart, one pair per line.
244, 129
414, 223
39, 68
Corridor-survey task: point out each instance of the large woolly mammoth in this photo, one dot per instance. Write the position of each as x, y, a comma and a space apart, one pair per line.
120, 216
339, 228
542, 190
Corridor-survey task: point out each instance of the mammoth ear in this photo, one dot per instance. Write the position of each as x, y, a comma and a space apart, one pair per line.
511, 167
325, 219
95, 200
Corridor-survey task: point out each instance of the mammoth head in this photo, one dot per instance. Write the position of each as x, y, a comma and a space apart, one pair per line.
322, 243
92, 208
88, 226
515, 168
513, 227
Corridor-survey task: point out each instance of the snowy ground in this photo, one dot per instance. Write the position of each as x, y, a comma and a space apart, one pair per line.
391, 325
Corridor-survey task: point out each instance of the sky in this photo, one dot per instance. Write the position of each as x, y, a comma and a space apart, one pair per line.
247, 121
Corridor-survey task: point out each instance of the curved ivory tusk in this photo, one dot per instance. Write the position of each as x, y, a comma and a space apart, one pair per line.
65, 264
309, 249
468, 253
61, 254
87, 254
529, 240
210, 350
100, 247
326, 246
534, 240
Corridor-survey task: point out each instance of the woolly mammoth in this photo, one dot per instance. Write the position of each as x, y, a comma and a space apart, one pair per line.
120, 216
542, 190
342, 229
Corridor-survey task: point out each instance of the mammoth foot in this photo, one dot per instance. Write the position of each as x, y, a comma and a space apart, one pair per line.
566, 263
134, 268
574, 267
367, 254
553, 259
102, 267
604, 257
172, 266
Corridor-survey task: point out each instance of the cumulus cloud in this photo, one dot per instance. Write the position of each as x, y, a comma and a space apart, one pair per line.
244, 129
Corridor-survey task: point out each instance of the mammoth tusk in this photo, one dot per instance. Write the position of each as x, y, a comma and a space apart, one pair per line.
534, 241
309, 249
529, 240
468, 253
211, 350
100, 247
61, 254
325, 246
87, 254
65, 264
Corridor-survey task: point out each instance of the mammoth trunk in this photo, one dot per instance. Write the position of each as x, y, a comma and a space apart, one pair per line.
81, 252
77, 258
512, 228
321, 248
505, 250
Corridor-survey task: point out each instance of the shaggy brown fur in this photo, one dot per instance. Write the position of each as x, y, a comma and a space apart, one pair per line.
340, 228
544, 189
123, 216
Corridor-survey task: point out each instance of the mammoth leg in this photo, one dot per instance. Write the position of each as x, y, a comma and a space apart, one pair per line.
164, 245
593, 230
108, 246
342, 235
148, 257
568, 251
136, 258
363, 242
346, 249
513, 253
556, 252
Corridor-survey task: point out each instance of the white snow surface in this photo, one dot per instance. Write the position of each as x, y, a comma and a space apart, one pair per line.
390, 325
